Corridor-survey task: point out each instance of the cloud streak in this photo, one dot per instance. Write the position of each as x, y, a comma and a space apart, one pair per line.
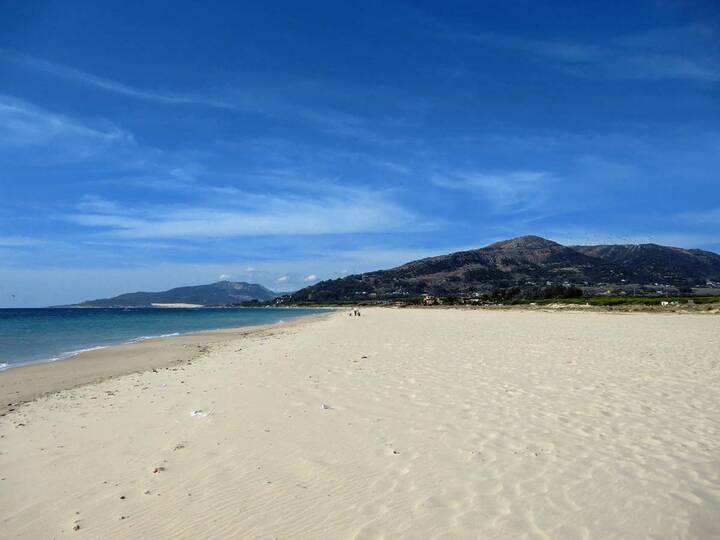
349, 212
679, 54
18, 241
109, 85
27, 125
702, 217
511, 191
267, 100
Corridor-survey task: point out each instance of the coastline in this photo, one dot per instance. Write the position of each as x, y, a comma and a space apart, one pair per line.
23, 383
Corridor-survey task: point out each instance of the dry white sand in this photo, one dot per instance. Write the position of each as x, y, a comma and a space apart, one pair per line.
399, 423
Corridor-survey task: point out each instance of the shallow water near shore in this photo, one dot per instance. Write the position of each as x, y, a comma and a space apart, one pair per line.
43, 335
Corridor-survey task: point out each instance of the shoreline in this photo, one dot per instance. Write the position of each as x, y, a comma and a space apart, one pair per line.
24, 383
20, 384
67, 355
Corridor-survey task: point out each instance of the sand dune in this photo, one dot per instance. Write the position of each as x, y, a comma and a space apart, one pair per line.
396, 424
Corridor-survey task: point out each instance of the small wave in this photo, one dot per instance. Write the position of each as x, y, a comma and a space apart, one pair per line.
61, 356
70, 354
145, 338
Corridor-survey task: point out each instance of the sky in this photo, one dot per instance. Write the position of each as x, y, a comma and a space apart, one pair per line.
148, 145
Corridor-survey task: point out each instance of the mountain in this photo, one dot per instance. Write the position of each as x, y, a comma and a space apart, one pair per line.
649, 263
527, 261
222, 292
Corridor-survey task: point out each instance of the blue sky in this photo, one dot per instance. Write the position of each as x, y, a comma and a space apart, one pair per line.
145, 145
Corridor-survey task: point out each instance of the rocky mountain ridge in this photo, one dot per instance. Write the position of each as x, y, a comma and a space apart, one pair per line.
220, 293
526, 261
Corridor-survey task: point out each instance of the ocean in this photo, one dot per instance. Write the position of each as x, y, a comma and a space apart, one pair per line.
44, 335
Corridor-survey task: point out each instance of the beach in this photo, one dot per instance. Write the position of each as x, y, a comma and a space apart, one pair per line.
18, 385
400, 423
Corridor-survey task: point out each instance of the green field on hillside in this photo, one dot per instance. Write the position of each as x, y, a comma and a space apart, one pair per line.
628, 300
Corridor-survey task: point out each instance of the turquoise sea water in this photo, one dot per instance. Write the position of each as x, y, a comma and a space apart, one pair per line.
38, 335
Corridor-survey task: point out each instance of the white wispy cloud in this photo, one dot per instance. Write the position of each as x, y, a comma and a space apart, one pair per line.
32, 136
97, 205
342, 212
269, 99
677, 53
311, 277
703, 217
594, 168
88, 79
283, 279
25, 125
504, 190
18, 241
392, 166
